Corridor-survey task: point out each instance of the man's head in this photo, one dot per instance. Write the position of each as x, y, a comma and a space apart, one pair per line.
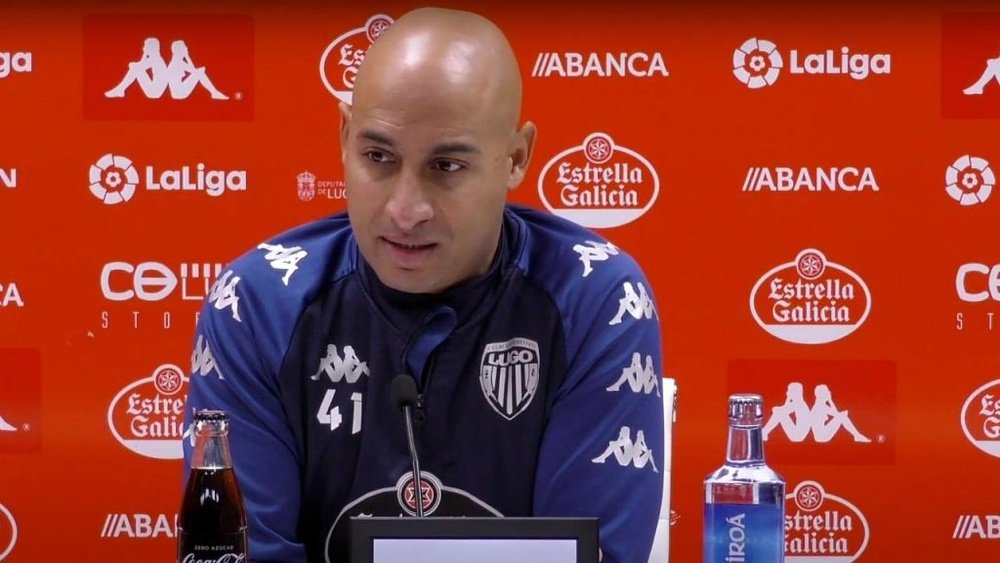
431, 146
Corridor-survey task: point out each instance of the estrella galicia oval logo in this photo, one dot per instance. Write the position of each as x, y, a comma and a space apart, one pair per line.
981, 418
810, 300
599, 184
147, 416
822, 528
8, 532
338, 67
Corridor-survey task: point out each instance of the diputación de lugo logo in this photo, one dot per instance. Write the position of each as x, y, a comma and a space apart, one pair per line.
810, 300
599, 183
147, 416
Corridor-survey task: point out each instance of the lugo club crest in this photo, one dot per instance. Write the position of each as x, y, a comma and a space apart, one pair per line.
509, 375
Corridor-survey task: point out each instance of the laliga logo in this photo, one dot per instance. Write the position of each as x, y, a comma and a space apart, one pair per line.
147, 416
338, 67
757, 63
7, 523
810, 300
599, 184
981, 418
970, 180
113, 179
822, 528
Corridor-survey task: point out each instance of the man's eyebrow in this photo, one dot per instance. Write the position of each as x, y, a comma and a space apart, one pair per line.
375, 137
455, 147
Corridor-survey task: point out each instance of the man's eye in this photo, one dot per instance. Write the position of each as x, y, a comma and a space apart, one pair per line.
447, 166
376, 155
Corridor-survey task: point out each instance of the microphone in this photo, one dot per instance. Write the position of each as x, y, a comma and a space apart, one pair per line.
404, 394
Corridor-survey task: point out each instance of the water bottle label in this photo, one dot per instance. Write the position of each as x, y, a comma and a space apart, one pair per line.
744, 533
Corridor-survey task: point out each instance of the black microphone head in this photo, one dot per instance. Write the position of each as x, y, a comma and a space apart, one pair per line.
404, 391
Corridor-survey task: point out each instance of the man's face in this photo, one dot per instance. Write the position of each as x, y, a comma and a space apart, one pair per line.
427, 175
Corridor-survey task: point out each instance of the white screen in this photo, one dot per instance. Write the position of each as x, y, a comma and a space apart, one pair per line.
474, 550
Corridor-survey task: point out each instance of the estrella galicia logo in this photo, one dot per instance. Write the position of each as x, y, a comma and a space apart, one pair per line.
509, 375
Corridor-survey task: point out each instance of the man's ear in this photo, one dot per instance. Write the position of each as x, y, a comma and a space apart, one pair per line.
520, 154
345, 128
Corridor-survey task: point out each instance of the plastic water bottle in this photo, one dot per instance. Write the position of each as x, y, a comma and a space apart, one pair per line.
745, 499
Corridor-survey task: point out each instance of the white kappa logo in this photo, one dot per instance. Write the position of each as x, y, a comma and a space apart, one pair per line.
223, 294
635, 303
626, 452
154, 76
990, 73
341, 368
6, 426
202, 361
969, 180
113, 179
823, 419
640, 378
591, 251
283, 258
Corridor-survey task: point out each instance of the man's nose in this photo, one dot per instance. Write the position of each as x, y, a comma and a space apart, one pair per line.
409, 205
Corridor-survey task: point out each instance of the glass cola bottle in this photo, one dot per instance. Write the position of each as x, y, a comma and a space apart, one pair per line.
212, 524
745, 499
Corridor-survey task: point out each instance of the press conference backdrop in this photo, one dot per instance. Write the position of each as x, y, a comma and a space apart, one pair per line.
808, 187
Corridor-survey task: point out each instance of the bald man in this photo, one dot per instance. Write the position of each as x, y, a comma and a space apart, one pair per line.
516, 326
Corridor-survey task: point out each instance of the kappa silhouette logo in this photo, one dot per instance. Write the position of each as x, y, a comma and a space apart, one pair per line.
969, 180
823, 420
637, 304
337, 367
970, 65
153, 76
20, 402
823, 412
8, 532
338, 67
640, 378
591, 251
163, 67
202, 361
223, 295
285, 259
627, 453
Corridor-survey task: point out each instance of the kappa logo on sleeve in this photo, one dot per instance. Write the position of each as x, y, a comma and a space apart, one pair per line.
640, 378
284, 259
168, 67
223, 295
628, 453
591, 251
636, 303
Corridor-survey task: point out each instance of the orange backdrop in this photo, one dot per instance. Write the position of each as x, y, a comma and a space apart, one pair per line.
807, 187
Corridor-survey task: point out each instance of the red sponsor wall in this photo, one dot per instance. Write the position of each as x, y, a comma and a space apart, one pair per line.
807, 187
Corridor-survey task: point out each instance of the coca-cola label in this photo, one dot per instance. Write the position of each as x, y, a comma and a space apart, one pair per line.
342, 58
599, 183
822, 528
810, 300
147, 416
8, 532
981, 418
217, 548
